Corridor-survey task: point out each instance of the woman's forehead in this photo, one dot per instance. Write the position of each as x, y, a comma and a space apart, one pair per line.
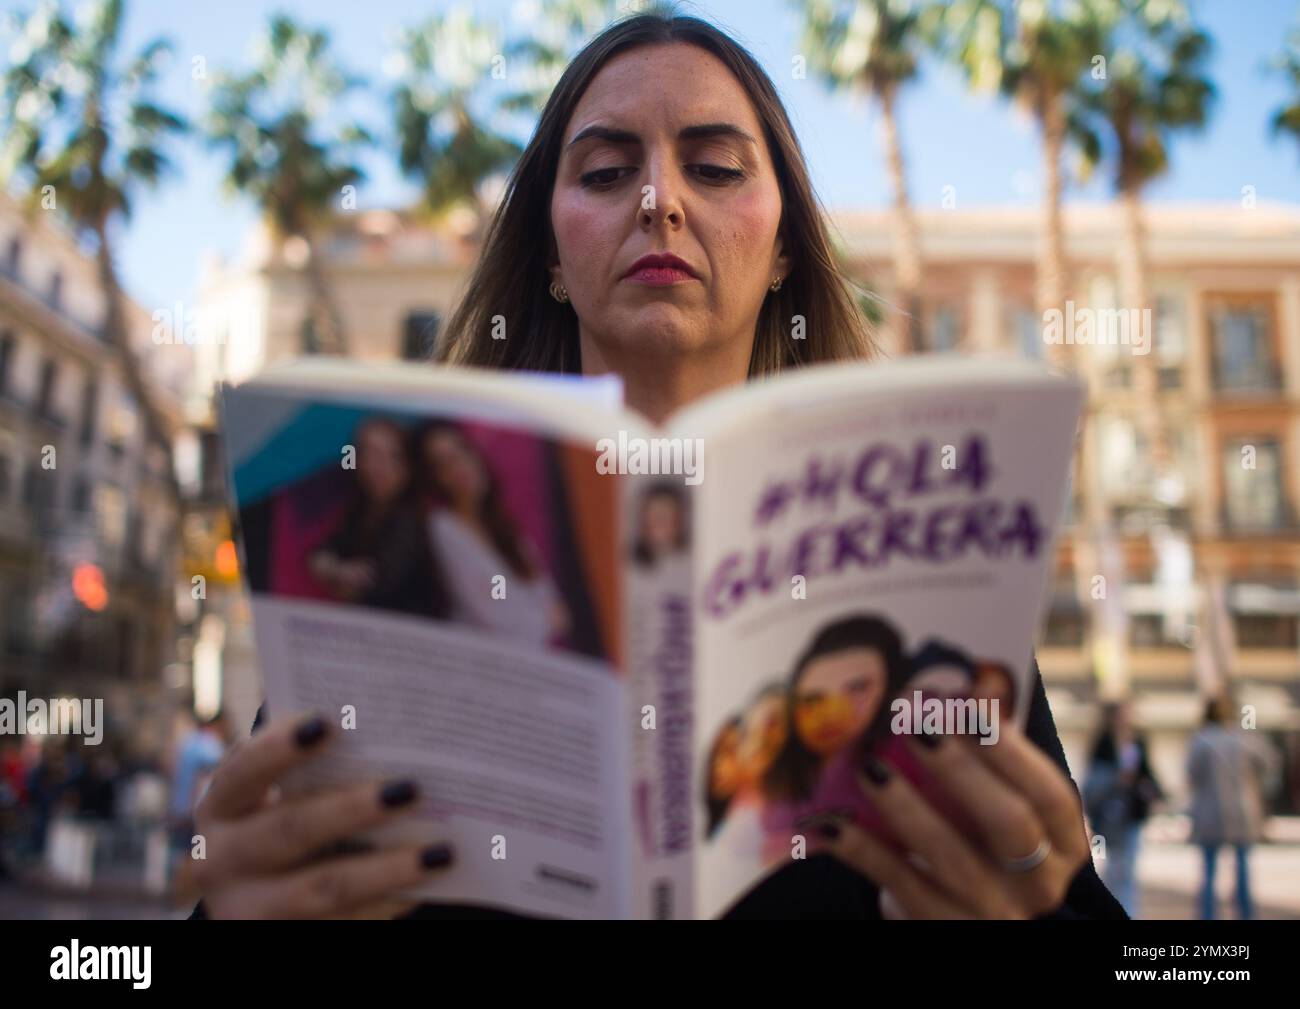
653, 88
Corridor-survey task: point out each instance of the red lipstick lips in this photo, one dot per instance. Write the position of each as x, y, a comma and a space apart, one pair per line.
660, 269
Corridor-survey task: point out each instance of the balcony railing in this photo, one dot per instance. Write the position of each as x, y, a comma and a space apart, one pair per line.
1283, 524
53, 302
1260, 378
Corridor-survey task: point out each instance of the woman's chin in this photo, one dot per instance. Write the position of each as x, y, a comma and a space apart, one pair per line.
661, 327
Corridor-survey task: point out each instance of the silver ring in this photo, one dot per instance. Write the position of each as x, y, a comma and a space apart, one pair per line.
1031, 861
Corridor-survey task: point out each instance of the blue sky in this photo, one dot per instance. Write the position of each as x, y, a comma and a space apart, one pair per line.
981, 146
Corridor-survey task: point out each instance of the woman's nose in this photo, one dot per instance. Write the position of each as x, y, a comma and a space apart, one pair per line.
661, 195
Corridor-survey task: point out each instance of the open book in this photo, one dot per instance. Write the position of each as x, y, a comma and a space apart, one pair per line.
631, 666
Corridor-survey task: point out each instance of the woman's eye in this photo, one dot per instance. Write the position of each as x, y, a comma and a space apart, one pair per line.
719, 173
601, 177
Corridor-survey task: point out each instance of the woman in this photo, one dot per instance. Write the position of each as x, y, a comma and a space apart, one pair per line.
661, 529
495, 575
722, 774
838, 710
664, 138
379, 555
760, 738
995, 682
1229, 772
1119, 790
837, 696
940, 670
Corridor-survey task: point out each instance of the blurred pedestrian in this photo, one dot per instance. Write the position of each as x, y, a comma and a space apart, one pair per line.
197, 757
1228, 771
47, 784
13, 797
1119, 790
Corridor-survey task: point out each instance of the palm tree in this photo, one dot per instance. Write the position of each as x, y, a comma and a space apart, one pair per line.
556, 30
1155, 84
1287, 63
80, 116
292, 148
440, 65
874, 45
1036, 52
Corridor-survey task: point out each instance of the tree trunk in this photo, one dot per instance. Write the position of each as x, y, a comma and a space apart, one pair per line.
1135, 299
1050, 282
322, 310
907, 250
156, 427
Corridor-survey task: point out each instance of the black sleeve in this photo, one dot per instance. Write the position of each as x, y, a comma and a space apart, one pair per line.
1087, 896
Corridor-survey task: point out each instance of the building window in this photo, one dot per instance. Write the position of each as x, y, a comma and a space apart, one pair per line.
1266, 630
1253, 495
310, 343
81, 495
111, 515
1153, 630
1241, 333
89, 410
419, 335
1066, 621
1171, 341
1128, 470
45, 390
1265, 612
38, 486
1027, 333
942, 334
7, 347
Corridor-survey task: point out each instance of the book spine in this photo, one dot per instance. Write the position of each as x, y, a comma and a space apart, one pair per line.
659, 625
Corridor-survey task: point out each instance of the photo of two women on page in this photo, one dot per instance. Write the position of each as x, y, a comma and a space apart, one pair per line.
791, 756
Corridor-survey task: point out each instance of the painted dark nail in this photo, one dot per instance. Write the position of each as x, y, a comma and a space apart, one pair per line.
829, 829
397, 793
930, 740
436, 856
310, 732
877, 770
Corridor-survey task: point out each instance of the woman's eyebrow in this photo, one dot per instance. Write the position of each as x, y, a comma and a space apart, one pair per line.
703, 130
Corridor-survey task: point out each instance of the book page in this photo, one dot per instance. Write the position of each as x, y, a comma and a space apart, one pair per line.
448, 588
853, 552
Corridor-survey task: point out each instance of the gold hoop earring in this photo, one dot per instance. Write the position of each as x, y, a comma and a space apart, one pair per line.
559, 292
776, 284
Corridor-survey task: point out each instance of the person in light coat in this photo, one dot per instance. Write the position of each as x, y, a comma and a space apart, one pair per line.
1229, 771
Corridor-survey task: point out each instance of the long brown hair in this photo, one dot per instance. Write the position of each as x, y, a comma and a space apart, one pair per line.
510, 283
501, 528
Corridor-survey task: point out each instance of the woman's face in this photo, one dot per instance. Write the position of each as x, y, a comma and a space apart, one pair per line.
455, 467
661, 521
710, 197
942, 681
381, 463
994, 682
837, 697
763, 734
724, 776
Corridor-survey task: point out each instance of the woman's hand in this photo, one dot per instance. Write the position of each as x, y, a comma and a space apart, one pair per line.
1024, 808
264, 854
